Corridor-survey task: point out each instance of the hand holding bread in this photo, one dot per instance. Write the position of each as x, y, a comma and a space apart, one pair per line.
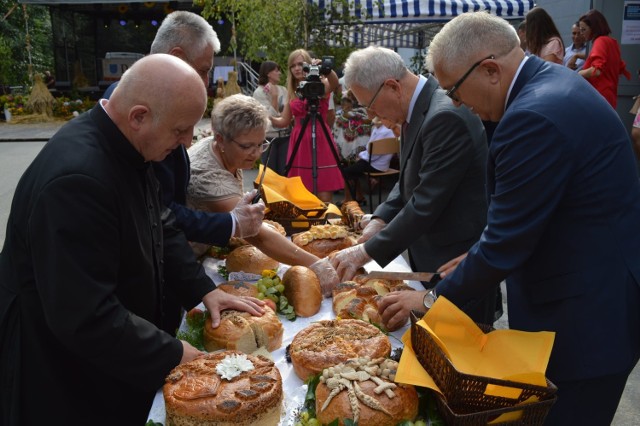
326, 274
218, 300
371, 228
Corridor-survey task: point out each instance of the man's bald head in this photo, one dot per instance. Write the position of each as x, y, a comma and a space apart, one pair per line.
158, 91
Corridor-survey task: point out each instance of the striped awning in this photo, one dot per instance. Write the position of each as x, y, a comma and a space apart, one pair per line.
412, 23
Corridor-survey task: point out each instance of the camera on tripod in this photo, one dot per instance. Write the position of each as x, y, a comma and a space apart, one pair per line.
312, 88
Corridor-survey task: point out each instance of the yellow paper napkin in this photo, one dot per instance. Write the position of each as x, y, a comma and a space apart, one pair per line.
503, 354
279, 188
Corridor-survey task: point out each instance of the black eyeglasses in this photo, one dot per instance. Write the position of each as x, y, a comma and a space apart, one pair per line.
252, 147
374, 97
451, 92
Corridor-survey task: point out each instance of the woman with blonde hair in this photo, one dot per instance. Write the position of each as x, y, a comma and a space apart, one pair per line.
329, 177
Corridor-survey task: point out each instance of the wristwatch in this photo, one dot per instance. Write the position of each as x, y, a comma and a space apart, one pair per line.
429, 299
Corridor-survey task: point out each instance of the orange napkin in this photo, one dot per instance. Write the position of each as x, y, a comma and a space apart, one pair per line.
280, 188
503, 354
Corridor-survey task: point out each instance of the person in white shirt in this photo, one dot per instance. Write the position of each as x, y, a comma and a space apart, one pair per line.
378, 163
575, 54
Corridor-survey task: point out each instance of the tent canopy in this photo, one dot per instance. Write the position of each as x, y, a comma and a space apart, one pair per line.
412, 23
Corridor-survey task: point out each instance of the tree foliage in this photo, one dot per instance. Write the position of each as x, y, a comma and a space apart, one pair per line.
270, 30
14, 40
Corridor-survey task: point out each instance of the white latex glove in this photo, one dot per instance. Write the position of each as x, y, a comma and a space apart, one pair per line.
248, 217
326, 274
371, 228
348, 261
364, 221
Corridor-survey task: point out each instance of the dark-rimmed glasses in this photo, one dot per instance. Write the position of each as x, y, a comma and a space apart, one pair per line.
375, 96
252, 147
451, 92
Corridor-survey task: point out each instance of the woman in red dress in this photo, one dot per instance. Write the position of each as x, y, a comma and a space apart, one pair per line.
329, 178
604, 64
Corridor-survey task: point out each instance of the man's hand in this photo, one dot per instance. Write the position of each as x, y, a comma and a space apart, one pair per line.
189, 353
448, 267
248, 217
326, 274
395, 307
347, 261
371, 228
218, 300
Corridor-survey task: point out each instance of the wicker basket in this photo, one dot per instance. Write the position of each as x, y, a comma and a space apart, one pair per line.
464, 393
532, 414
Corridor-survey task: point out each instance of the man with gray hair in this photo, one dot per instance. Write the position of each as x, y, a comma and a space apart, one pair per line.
564, 212
437, 209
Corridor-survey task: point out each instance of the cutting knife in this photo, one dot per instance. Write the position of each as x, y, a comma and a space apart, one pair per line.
432, 277
257, 197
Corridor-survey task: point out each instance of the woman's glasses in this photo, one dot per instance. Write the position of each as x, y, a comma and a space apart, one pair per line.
249, 147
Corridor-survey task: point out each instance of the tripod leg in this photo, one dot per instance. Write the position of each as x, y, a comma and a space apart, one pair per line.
332, 146
296, 146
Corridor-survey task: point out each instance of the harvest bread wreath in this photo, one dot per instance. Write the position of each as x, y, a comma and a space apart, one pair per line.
223, 389
330, 342
363, 390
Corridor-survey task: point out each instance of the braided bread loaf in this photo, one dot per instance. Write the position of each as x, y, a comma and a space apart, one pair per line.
359, 298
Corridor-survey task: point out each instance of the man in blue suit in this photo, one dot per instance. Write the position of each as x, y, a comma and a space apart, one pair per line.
563, 226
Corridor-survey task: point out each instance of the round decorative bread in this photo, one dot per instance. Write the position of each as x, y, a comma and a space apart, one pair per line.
323, 239
330, 342
196, 393
364, 391
360, 300
243, 332
239, 288
249, 259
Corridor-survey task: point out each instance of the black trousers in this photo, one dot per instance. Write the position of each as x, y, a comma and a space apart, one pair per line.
278, 158
590, 402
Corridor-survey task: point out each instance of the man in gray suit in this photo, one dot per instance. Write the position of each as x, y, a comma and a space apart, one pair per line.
438, 207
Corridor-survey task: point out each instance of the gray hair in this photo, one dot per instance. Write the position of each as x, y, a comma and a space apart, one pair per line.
238, 114
370, 67
469, 37
191, 32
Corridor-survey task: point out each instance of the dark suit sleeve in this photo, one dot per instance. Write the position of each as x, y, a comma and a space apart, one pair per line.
446, 151
183, 273
532, 163
198, 226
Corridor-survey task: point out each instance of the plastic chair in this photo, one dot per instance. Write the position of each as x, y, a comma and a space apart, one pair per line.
381, 147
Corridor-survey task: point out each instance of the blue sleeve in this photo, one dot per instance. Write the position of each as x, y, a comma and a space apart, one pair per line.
198, 226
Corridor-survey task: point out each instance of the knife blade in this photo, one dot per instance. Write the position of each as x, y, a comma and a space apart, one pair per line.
258, 195
414, 276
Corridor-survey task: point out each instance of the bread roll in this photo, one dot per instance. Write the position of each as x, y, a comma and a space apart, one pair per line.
302, 290
239, 288
243, 332
250, 260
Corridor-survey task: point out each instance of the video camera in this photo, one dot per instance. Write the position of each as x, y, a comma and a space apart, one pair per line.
312, 88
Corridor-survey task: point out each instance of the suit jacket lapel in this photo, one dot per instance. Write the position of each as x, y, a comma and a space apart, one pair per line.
410, 135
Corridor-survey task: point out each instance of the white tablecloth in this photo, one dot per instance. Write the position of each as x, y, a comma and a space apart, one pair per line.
294, 388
